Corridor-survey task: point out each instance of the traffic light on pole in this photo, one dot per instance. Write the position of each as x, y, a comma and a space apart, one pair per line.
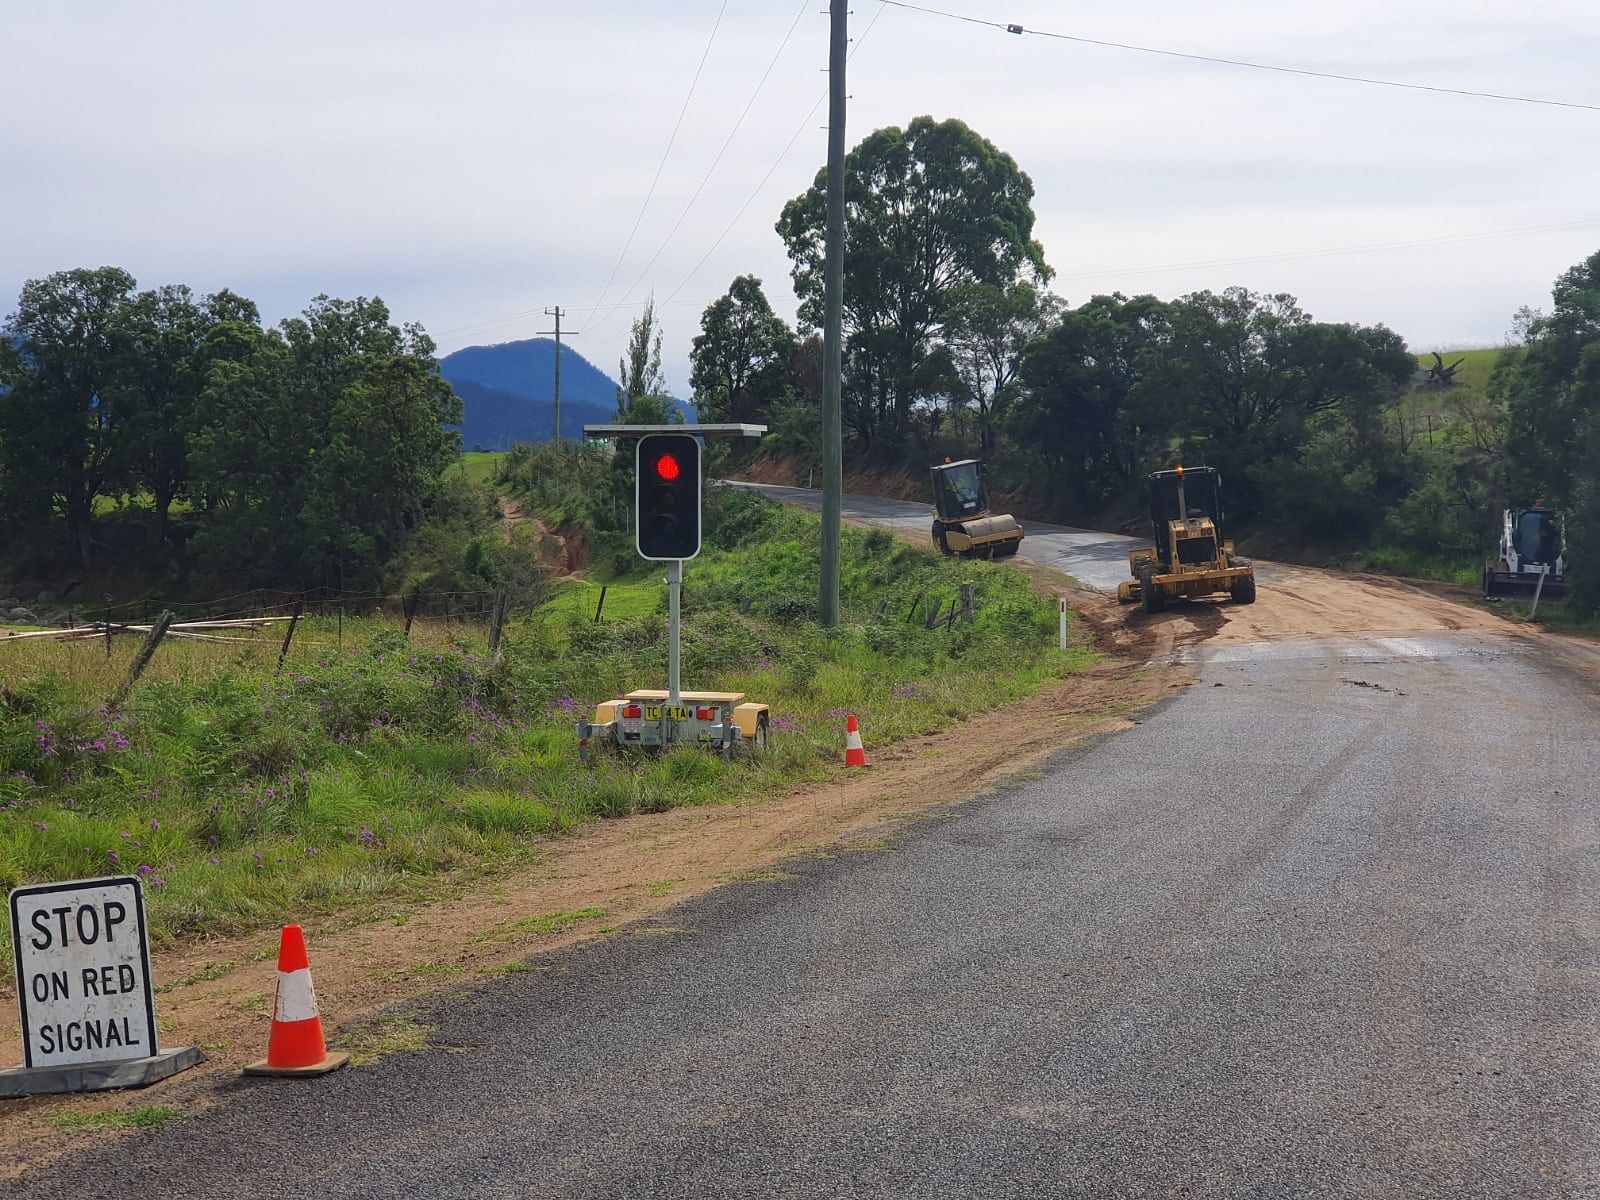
667, 504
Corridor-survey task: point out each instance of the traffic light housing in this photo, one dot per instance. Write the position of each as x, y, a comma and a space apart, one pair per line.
667, 496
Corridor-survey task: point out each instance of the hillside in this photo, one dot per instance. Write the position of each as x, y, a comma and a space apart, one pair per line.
506, 391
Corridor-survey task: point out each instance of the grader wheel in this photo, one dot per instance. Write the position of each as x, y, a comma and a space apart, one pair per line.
1149, 593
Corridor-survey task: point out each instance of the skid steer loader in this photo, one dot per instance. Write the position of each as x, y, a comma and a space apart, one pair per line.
963, 523
1531, 545
1189, 558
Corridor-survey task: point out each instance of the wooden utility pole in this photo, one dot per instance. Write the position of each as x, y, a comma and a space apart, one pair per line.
556, 405
833, 316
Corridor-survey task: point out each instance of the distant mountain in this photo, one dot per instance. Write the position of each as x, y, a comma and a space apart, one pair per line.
506, 392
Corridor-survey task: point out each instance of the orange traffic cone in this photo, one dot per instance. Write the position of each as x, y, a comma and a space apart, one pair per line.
855, 755
296, 1046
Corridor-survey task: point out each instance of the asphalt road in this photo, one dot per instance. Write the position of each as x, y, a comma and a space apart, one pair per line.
1098, 560
1327, 924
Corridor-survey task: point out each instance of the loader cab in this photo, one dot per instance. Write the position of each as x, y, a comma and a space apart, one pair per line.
958, 491
1188, 494
1537, 536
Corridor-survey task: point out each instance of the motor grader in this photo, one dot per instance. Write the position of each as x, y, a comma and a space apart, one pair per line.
963, 523
1189, 558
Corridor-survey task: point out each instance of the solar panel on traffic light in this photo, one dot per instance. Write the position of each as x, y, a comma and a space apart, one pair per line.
667, 496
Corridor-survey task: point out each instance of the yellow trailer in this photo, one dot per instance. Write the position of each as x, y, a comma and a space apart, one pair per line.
646, 718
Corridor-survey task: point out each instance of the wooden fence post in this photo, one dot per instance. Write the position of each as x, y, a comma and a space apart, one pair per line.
142, 659
410, 608
966, 603
288, 636
497, 620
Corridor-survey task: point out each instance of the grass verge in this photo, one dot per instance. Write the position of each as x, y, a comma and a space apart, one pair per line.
144, 1116
392, 1035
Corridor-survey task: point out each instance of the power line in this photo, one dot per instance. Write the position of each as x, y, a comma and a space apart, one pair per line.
755, 192
649, 195
711, 250
1333, 252
1008, 27
715, 162
667, 153
776, 163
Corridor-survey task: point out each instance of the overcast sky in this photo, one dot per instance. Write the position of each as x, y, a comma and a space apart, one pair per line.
475, 161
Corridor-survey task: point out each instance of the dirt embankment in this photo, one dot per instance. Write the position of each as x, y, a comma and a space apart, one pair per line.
865, 481
563, 552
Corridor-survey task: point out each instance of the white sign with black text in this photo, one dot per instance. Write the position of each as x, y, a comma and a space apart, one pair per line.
83, 972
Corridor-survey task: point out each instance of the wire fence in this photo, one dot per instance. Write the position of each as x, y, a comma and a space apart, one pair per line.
464, 605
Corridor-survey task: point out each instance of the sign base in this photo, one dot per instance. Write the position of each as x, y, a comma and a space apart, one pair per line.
93, 1077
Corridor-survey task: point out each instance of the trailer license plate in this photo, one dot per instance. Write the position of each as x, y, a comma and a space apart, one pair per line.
673, 712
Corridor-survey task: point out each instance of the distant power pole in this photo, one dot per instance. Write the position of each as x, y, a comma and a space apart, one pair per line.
833, 317
556, 407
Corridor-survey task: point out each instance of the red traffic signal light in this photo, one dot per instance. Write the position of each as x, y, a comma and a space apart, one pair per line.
667, 496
